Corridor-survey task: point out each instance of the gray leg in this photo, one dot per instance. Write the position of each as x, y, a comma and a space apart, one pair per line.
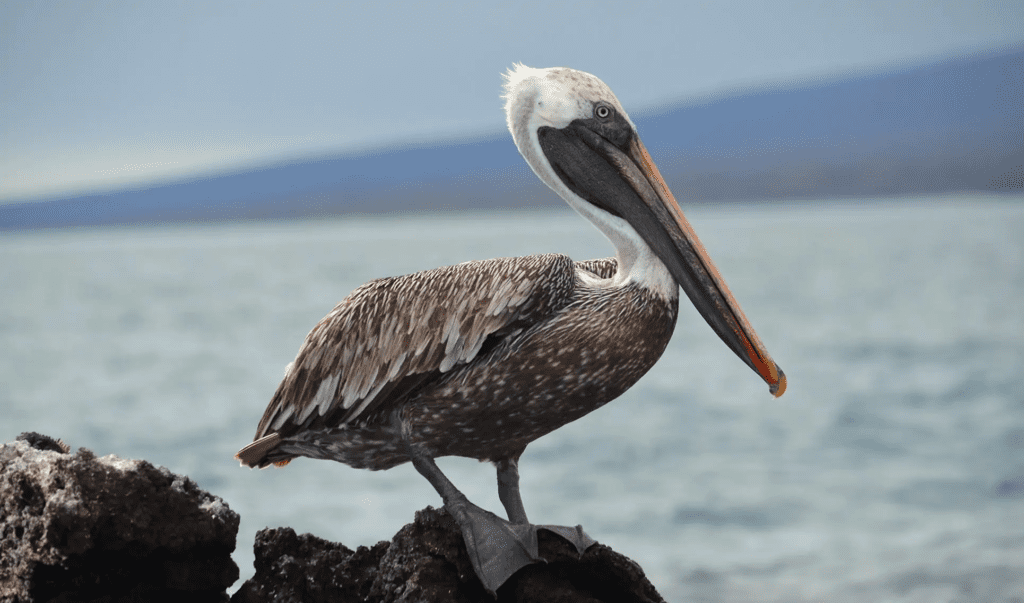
508, 490
429, 469
497, 549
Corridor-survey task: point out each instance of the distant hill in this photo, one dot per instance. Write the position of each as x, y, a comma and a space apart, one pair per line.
953, 125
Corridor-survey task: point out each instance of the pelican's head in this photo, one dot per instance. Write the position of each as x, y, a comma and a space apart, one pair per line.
553, 97
576, 137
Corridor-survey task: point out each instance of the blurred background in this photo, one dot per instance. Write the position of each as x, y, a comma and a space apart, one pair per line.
186, 188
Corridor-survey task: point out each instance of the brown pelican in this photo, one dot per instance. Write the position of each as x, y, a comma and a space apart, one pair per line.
482, 358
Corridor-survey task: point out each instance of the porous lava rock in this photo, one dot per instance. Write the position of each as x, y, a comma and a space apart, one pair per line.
426, 562
74, 527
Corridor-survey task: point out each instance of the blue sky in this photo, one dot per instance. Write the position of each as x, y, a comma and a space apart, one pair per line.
100, 95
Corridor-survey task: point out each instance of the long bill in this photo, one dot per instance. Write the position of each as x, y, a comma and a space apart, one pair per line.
624, 181
697, 275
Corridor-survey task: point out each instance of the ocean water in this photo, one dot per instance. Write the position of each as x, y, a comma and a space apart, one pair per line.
892, 469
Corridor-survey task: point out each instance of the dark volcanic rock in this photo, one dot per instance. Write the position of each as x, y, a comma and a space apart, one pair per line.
427, 562
81, 528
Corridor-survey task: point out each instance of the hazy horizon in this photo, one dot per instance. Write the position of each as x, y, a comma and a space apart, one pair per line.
103, 97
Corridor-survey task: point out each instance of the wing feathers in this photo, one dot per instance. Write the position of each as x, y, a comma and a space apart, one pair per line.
389, 330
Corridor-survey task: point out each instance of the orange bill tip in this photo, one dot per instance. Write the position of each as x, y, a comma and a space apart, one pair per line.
779, 387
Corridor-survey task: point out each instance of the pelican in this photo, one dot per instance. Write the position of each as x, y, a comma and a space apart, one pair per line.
481, 358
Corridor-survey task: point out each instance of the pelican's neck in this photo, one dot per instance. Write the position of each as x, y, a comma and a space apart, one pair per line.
637, 263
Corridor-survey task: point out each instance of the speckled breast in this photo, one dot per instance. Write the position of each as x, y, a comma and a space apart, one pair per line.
595, 349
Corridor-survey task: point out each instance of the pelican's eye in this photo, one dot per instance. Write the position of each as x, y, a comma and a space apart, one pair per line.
602, 111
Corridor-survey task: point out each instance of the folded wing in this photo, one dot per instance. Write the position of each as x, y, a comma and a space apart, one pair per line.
394, 335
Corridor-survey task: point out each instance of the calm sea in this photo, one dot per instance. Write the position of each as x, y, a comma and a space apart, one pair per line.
892, 470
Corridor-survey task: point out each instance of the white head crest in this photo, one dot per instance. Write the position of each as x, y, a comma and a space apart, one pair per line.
550, 97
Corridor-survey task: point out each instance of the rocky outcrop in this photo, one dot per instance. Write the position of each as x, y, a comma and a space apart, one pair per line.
427, 562
74, 527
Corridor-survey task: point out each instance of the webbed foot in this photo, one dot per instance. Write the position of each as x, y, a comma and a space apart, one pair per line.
497, 549
576, 536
